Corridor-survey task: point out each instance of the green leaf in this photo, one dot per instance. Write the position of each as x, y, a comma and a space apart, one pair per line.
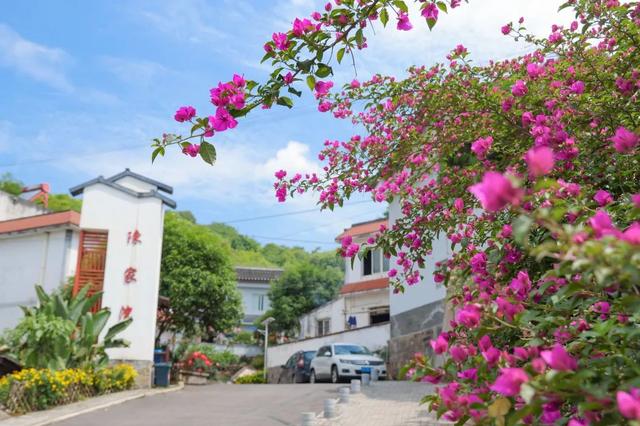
431, 23
294, 91
117, 328
340, 55
208, 152
311, 82
323, 70
384, 17
156, 152
442, 6
305, 66
521, 227
401, 5
285, 101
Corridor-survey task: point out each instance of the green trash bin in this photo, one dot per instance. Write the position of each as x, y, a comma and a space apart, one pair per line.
162, 373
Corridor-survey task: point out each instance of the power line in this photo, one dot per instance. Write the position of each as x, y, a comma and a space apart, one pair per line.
262, 237
249, 219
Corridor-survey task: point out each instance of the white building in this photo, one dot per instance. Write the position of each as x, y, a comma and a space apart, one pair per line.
114, 245
417, 314
254, 284
364, 297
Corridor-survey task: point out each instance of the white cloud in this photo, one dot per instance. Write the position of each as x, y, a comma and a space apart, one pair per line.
133, 71
42, 63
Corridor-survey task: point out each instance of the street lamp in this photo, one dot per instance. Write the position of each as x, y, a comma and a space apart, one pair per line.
266, 344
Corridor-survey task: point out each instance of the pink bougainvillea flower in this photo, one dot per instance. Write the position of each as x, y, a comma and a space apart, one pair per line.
281, 41
481, 146
534, 70
521, 285
222, 120
185, 113
491, 355
577, 87
191, 150
302, 26
458, 204
559, 359
288, 78
505, 29
430, 11
355, 84
519, 89
629, 403
469, 316
635, 199
458, 353
510, 381
632, 234
323, 87
624, 140
403, 22
440, 345
540, 160
603, 198
239, 80
495, 191
602, 224
280, 174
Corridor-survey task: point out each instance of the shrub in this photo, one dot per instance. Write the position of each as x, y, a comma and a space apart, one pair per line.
38, 389
113, 379
251, 379
244, 338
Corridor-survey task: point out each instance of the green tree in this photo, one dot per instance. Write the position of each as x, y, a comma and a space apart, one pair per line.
237, 240
301, 288
10, 184
64, 202
198, 278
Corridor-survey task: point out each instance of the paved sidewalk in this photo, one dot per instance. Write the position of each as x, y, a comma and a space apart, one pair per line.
386, 404
64, 412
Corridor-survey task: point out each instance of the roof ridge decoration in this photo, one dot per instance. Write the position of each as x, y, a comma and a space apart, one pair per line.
110, 182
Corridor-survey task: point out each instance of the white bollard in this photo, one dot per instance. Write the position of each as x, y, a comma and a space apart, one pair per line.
366, 379
329, 408
374, 375
308, 418
344, 394
355, 386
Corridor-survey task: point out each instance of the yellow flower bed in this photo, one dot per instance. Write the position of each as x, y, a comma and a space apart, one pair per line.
31, 389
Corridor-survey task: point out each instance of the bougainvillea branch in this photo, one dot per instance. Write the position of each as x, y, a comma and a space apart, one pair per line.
530, 168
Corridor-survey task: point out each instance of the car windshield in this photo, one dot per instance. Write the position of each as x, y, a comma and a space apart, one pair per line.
309, 355
351, 350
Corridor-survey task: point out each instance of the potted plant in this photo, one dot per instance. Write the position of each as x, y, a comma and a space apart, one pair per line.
194, 369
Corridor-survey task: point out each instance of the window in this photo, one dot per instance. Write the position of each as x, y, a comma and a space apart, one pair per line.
323, 327
374, 262
258, 302
351, 350
323, 350
378, 315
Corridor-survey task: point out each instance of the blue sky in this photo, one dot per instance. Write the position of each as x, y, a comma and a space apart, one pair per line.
85, 86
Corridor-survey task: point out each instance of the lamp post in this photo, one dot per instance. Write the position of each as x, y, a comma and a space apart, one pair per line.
266, 323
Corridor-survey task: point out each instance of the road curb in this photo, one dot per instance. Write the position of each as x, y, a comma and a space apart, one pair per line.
52, 418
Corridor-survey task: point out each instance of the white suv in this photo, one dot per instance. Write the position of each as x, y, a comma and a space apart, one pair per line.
344, 360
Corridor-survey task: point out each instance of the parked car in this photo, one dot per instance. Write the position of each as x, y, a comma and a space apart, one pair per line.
297, 368
340, 361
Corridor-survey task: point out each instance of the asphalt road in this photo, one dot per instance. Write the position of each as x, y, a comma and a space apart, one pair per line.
215, 405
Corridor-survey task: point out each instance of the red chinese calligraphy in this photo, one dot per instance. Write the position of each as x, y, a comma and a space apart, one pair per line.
133, 238
125, 312
130, 275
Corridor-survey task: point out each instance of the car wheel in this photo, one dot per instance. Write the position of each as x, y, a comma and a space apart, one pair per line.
335, 377
312, 377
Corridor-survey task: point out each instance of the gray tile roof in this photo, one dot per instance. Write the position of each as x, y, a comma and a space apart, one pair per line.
111, 182
258, 275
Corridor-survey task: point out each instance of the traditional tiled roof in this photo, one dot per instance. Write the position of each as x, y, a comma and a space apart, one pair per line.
68, 218
376, 284
259, 275
111, 182
363, 228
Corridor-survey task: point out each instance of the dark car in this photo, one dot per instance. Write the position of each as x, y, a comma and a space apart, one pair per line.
297, 368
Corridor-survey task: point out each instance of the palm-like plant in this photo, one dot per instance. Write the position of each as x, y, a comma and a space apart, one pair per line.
62, 332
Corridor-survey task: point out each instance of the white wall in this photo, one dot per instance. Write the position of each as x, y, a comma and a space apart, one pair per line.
425, 291
374, 338
248, 292
36, 257
334, 310
12, 207
359, 304
109, 209
341, 308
